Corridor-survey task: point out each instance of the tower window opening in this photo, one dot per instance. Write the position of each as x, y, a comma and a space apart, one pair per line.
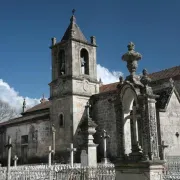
61, 120
84, 62
61, 62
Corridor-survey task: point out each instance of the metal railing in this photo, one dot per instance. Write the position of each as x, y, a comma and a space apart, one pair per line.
64, 172
172, 168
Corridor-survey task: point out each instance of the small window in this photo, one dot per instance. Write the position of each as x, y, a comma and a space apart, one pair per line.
24, 139
61, 120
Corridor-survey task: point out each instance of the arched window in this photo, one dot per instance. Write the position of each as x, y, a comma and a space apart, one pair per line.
61, 120
84, 61
61, 62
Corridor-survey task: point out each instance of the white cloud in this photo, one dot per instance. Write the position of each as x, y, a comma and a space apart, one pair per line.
12, 97
107, 76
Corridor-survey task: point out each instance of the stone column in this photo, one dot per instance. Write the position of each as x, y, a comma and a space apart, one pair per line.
9, 146
71, 149
150, 119
163, 146
50, 154
91, 147
53, 141
105, 136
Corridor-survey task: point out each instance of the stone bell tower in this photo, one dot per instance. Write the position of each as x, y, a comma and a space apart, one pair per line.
74, 80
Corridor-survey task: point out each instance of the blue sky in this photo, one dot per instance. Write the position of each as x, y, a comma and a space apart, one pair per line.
26, 28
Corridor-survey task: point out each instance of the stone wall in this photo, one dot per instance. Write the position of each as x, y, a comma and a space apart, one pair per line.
39, 139
103, 114
170, 125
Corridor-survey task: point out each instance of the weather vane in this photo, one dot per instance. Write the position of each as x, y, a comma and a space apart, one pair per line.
73, 11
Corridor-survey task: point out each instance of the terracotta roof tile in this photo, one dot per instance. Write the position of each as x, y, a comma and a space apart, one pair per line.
108, 87
40, 106
164, 74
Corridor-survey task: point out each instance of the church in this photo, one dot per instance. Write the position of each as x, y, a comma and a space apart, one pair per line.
57, 122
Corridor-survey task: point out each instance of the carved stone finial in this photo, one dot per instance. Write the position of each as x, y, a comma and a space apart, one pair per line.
131, 46
53, 128
100, 82
24, 105
73, 19
87, 109
145, 80
43, 99
145, 73
53, 40
121, 79
131, 57
171, 81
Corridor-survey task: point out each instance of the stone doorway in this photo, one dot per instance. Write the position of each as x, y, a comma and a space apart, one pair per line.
24, 149
24, 154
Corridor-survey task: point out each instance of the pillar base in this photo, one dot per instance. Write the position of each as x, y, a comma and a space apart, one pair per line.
105, 160
151, 170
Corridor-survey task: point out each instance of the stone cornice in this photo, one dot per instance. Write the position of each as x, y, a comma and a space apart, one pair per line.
72, 39
67, 77
70, 94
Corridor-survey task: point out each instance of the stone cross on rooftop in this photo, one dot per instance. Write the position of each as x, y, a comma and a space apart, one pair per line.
24, 105
71, 150
73, 12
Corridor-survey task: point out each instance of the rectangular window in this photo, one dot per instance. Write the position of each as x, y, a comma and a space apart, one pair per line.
24, 139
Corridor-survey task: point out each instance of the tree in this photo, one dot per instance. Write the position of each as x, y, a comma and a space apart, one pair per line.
6, 111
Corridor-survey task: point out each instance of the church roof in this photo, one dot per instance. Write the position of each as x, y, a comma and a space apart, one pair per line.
166, 73
108, 87
156, 76
164, 97
33, 117
41, 106
73, 31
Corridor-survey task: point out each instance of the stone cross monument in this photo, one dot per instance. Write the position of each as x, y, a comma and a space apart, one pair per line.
72, 150
15, 160
105, 136
135, 96
50, 154
9, 146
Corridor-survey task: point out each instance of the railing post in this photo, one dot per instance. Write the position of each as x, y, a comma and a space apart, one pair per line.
9, 146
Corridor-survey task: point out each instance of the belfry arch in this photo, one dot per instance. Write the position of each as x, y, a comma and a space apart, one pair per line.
84, 55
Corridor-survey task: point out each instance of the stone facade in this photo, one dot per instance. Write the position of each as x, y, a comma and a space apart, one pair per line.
170, 126
30, 140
